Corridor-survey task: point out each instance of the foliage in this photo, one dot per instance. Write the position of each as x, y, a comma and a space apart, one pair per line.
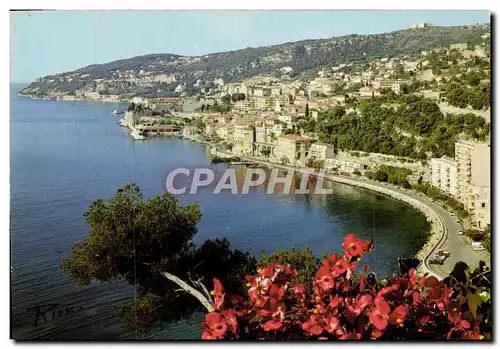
394, 175
379, 128
200, 124
135, 240
305, 262
238, 97
312, 162
436, 194
347, 306
477, 96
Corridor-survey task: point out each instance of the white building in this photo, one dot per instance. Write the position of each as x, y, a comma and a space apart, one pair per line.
444, 175
463, 152
321, 151
479, 192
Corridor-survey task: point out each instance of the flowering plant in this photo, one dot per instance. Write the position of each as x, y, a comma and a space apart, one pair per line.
344, 305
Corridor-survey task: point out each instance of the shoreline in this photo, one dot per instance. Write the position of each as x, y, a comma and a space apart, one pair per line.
71, 100
437, 231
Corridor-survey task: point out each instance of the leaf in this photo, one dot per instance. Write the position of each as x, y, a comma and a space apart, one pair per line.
473, 300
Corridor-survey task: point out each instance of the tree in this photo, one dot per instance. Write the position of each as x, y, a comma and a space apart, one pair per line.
226, 99
138, 241
307, 111
381, 176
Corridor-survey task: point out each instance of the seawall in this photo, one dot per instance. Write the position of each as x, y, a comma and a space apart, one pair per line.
438, 230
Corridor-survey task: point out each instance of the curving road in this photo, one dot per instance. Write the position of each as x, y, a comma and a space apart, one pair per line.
458, 245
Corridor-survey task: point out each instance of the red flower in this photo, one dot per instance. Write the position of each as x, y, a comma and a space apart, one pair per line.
363, 301
334, 302
416, 297
219, 294
332, 325
216, 325
333, 258
348, 239
276, 291
350, 335
312, 326
207, 336
387, 290
379, 315
230, 319
271, 325
324, 279
398, 316
340, 267
298, 289
355, 248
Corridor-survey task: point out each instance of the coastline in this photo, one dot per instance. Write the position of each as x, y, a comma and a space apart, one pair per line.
75, 99
437, 232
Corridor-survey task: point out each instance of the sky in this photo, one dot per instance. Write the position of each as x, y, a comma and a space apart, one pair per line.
49, 42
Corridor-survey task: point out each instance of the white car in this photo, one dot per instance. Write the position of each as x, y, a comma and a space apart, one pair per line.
460, 232
478, 246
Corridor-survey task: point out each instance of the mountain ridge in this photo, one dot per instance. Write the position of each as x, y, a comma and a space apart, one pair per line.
195, 72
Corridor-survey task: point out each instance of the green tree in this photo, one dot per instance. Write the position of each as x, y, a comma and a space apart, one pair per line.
305, 262
226, 99
138, 240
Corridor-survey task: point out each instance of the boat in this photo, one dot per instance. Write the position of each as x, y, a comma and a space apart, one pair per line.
118, 111
137, 135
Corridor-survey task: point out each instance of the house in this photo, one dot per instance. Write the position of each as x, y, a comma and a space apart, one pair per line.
292, 149
321, 151
458, 46
467, 54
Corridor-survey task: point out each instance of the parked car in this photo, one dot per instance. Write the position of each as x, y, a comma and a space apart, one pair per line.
437, 260
460, 232
478, 246
443, 253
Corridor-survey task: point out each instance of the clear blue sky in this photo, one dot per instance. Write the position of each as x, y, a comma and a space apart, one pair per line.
49, 42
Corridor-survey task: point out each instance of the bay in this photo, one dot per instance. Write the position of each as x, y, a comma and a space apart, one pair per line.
64, 155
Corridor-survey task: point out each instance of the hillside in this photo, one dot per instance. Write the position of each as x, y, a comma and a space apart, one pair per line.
169, 74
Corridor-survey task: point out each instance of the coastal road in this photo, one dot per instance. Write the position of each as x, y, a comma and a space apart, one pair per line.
458, 245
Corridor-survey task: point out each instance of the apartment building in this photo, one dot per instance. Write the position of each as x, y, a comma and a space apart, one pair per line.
292, 149
243, 138
463, 157
444, 175
321, 151
479, 198
225, 132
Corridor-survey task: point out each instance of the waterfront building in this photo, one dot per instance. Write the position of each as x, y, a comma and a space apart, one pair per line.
292, 149
225, 132
444, 175
243, 138
321, 151
210, 129
189, 131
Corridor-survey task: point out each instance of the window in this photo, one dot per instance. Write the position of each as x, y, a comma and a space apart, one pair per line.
483, 205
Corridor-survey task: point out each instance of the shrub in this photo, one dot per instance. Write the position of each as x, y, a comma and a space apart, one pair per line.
344, 305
